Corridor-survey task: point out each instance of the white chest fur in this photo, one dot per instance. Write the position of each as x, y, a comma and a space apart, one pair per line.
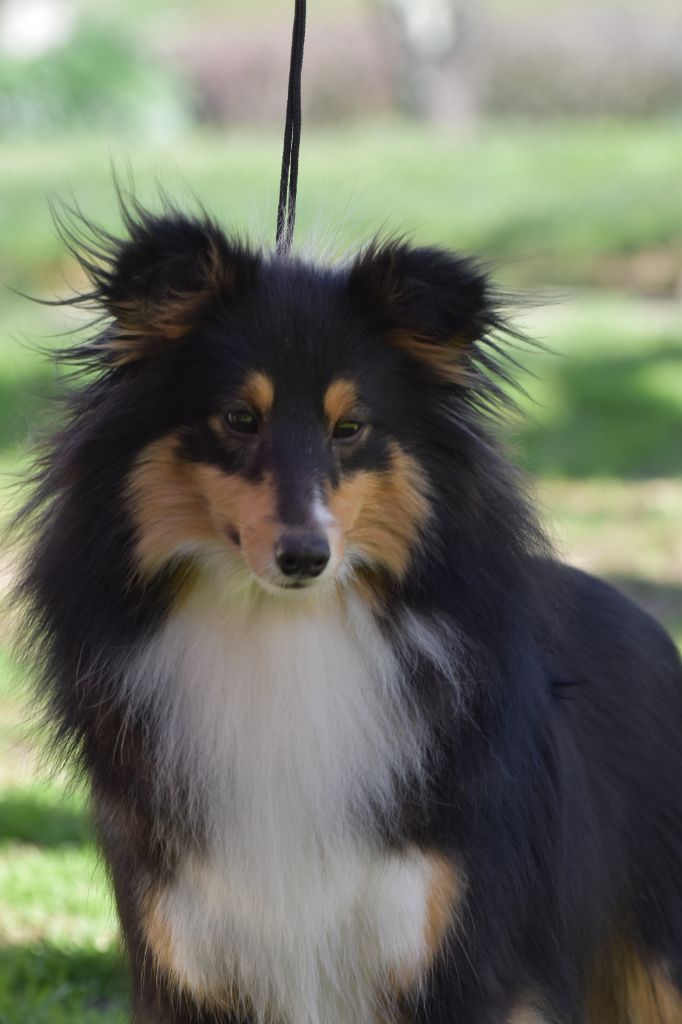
291, 721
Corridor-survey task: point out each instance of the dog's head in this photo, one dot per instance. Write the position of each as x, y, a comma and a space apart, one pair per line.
278, 418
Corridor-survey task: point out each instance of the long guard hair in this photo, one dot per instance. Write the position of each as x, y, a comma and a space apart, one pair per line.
360, 748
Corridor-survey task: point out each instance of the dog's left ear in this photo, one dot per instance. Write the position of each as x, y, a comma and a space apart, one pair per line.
430, 302
156, 282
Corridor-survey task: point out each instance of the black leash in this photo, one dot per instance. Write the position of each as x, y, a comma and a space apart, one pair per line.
286, 209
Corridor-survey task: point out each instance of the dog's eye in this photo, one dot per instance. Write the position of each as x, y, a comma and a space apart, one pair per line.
347, 430
241, 421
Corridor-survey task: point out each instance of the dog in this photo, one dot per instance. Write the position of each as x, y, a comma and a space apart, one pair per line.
360, 749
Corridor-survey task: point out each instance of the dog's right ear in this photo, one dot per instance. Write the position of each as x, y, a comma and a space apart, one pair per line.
155, 282
433, 304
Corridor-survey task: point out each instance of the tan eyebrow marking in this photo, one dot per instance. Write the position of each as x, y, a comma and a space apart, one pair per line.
258, 391
340, 399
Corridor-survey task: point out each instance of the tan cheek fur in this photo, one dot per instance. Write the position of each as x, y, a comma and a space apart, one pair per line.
177, 504
168, 509
248, 508
380, 514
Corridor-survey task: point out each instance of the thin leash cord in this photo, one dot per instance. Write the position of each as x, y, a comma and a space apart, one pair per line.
288, 185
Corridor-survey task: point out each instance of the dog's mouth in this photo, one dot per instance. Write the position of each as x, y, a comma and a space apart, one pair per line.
300, 559
282, 587
287, 586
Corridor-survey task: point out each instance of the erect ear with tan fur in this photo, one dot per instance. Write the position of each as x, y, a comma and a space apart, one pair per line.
430, 302
155, 282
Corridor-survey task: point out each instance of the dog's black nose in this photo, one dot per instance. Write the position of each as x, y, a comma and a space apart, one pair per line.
303, 555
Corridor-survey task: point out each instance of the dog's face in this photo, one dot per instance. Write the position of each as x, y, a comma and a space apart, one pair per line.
294, 470
295, 406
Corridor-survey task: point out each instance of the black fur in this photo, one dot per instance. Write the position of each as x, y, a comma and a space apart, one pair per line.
558, 784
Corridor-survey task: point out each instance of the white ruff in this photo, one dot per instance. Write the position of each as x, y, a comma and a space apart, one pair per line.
290, 719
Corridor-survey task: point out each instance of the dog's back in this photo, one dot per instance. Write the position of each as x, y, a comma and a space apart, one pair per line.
618, 681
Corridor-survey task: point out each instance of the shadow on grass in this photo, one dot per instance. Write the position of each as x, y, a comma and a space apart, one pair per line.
27, 819
609, 416
44, 984
23, 406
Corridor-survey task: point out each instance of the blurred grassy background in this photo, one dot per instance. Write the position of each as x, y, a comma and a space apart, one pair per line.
580, 213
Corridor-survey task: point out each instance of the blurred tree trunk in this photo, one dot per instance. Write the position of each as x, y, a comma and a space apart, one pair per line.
436, 42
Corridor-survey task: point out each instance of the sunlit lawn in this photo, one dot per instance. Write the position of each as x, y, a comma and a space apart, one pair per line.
59, 959
603, 434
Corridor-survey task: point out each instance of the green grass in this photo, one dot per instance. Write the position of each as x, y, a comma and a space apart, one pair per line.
46, 983
59, 951
608, 402
549, 202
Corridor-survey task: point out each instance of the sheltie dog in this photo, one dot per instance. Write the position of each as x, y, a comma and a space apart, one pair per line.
360, 748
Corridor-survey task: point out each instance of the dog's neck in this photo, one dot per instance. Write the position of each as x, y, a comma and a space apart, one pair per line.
292, 721
301, 700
